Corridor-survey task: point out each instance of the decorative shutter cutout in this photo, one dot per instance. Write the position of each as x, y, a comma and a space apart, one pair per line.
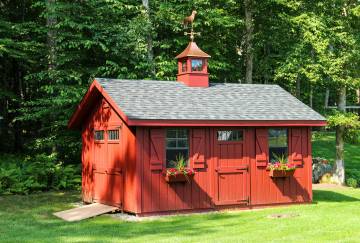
296, 148
262, 147
198, 151
157, 147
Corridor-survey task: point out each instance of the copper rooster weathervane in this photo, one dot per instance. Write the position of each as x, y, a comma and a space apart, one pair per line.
190, 20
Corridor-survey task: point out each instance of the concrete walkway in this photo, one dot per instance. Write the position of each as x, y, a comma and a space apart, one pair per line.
84, 212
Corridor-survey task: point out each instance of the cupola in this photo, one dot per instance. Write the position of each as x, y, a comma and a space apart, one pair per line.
192, 66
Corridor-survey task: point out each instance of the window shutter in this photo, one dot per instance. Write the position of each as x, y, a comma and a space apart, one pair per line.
198, 148
296, 146
262, 147
157, 148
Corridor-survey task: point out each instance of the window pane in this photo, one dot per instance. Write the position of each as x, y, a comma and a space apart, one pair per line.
177, 144
171, 133
183, 143
182, 133
278, 144
196, 64
230, 135
277, 137
113, 134
171, 143
99, 135
173, 154
183, 66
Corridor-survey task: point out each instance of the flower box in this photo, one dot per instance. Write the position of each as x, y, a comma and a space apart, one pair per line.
281, 173
173, 175
178, 178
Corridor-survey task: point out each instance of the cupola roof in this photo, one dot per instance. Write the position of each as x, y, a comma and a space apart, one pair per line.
192, 50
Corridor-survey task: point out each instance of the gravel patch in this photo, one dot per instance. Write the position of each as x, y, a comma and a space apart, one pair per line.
326, 186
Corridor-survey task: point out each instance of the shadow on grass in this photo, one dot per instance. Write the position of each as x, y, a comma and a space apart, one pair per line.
106, 229
35, 222
331, 196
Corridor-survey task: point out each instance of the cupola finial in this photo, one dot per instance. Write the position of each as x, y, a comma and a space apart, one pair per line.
192, 34
190, 20
192, 62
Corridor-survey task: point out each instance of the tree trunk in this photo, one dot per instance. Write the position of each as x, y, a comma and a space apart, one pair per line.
298, 88
311, 96
51, 47
339, 166
248, 41
327, 94
51, 33
149, 40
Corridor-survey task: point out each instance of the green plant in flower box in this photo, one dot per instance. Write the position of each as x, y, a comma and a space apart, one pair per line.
180, 167
281, 164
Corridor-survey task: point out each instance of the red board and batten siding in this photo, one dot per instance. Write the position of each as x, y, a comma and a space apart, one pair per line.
226, 173
106, 165
265, 190
159, 196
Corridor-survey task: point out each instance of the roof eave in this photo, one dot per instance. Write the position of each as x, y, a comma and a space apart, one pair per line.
78, 115
229, 123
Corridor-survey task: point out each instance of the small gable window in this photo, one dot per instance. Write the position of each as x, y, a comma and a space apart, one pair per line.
177, 146
113, 135
196, 65
99, 135
230, 135
278, 144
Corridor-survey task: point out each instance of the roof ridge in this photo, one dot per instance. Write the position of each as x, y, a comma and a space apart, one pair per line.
175, 81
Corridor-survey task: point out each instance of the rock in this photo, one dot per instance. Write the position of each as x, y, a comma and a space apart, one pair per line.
326, 178
319, 168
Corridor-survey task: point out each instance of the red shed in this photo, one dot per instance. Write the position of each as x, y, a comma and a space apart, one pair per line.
132, 130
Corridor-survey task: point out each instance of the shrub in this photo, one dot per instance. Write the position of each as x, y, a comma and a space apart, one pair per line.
353, 173
351, 182
39, 173
352, 136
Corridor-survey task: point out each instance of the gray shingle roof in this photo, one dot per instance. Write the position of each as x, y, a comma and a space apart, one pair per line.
158, 100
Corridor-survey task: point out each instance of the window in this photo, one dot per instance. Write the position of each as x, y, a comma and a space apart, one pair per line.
177, 144
230, 135
183, 66
196, 65
278, 144
113, 135
99, 135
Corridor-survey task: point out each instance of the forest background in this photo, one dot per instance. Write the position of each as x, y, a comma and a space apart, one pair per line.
51, 50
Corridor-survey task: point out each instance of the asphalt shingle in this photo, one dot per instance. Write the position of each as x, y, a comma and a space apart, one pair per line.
171, 100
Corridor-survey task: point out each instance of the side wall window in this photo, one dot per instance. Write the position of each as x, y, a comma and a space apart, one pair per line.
177, 146
113, 134
278, 143
99, 135
230, 135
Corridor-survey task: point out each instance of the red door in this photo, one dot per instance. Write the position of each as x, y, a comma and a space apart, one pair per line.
108, 181
231, 167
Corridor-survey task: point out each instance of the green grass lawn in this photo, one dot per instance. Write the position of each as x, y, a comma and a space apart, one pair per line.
334, 216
